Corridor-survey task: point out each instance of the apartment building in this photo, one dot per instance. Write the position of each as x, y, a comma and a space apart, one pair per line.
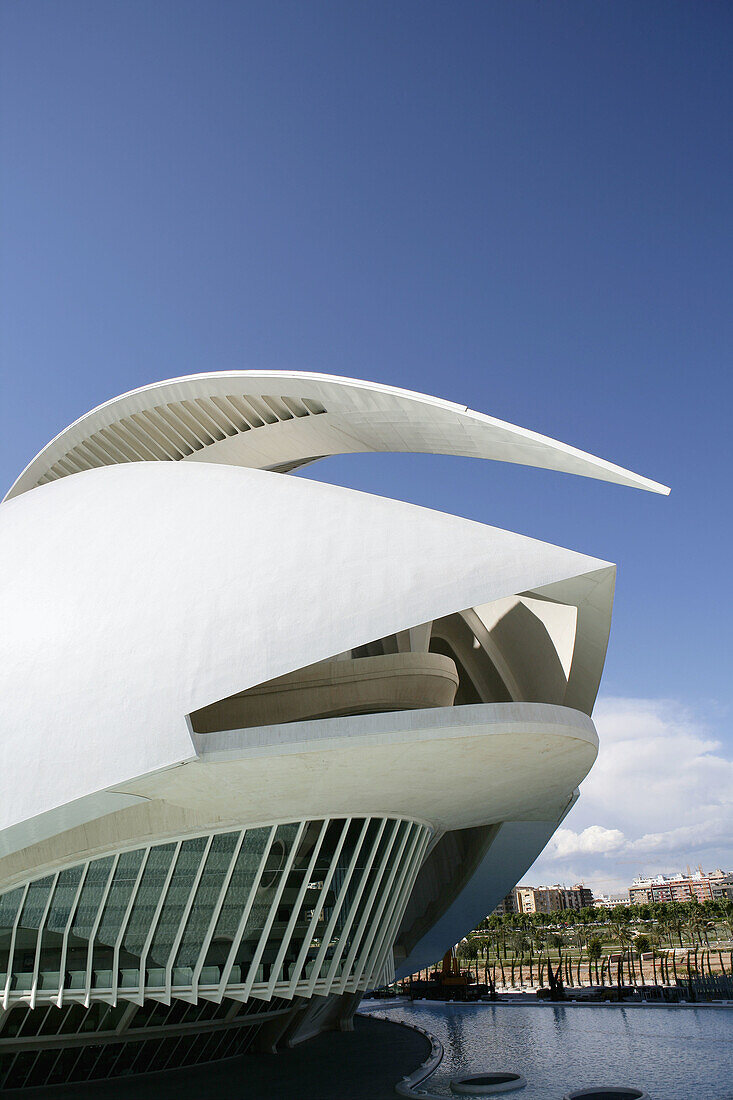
696, 886
545, 899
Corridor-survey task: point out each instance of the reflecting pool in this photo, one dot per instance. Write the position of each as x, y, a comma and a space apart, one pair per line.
673, 1053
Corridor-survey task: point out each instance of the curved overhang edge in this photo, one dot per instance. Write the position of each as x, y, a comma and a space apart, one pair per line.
525, 447
459, 732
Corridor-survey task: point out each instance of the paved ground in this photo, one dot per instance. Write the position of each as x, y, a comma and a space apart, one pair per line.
362, 1065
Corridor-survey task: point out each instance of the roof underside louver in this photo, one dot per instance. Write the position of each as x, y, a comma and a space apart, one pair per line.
281, 420
178, 430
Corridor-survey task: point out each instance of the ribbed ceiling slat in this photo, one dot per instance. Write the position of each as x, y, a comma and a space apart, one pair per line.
183, 439
281, 411
214, 433
178, 429
65, 467
105, 442
216, 416
127, 446
196, 432
168, 437
296, 407
101, 457
231, 414
70, 464
246, 411
142, 441
84, 460
150, 441
157, 435
260, 408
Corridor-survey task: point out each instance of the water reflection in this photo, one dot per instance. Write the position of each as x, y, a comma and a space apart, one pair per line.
673, 1053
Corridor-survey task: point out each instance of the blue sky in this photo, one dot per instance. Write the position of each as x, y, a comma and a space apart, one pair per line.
525, 207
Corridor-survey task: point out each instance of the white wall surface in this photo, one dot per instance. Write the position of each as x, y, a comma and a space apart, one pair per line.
133, 594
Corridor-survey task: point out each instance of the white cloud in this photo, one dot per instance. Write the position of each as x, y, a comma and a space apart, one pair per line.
594, 839
660, 796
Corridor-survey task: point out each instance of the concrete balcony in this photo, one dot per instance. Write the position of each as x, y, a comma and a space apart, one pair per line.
331, 689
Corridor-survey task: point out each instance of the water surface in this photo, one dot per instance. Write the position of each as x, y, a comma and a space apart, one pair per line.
673, 1053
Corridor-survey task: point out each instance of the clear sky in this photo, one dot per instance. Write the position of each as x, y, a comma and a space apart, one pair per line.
524, 207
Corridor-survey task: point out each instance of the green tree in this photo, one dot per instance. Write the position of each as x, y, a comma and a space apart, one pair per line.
468, 949
595, 951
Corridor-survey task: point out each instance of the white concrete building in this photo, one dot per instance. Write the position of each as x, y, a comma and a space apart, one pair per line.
266, 742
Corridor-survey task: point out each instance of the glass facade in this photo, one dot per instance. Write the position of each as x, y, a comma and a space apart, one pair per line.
287, 909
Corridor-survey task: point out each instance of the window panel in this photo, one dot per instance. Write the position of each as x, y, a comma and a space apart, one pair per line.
176, 898
207, 894
9, 905
346, 892
123, 882
147, 897
359, 925
287, 902
24, 956
67, 885
265, 893
240, 885
91, 897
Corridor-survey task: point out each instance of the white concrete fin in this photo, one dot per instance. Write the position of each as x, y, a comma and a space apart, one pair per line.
560, 621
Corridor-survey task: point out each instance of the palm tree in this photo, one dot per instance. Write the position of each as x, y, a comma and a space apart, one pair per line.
642, 945
621, 932
595, 949
501, 964
726, 913
539, 939
695, 924
674, 921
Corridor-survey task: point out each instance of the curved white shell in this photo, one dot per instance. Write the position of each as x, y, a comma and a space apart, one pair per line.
133, 595
285, 419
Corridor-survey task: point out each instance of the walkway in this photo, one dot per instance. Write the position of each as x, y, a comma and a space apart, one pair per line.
362, 1065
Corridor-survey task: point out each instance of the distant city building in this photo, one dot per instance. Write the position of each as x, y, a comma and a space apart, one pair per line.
545, 899
506, 905
608, 901
697, 886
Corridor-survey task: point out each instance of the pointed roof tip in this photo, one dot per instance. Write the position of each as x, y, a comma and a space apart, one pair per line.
281, 420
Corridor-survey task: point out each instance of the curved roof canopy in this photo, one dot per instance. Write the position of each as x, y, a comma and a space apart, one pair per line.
280, 420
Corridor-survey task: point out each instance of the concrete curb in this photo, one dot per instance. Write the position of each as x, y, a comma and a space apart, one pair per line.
408, 1086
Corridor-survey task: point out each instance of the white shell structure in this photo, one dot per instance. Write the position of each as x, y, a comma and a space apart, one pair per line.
265, 741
